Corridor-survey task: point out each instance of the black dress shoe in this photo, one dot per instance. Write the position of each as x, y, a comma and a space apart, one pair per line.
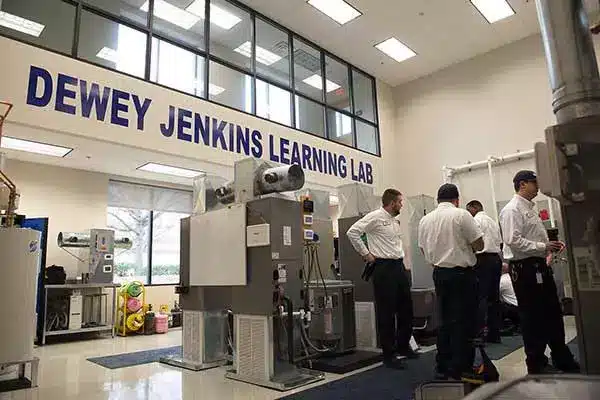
393, 364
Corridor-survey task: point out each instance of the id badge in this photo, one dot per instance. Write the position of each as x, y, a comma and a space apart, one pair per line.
539, 279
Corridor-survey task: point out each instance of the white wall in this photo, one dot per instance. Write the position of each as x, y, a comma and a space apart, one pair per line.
73, 200
495, 104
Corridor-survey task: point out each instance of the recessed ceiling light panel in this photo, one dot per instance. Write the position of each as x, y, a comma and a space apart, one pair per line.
396, 49
20, 24
263, 56
34, 147
338, 10
316, 81
493, 10
172, 14
218, 16
168, 170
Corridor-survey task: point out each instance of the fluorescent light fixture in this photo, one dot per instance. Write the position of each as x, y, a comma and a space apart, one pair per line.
172, 14
20, 24
218, 16
338, 10
493, 10
317, 82
395, 49
263, 56
213, 90
168, 170
34, 147
108, 54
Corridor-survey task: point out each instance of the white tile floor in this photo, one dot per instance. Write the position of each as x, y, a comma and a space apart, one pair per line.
65, 374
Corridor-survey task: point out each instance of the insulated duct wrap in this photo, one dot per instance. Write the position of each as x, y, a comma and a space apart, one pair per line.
82, 240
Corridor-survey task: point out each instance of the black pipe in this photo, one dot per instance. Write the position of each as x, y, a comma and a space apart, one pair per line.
290, 328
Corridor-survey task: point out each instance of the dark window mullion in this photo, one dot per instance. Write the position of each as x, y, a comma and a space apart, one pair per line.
150, 24
150, 237
75, 49
207, 47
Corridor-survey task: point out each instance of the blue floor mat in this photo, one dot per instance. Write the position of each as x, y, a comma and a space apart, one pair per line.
509, 344
138, 358
387, 384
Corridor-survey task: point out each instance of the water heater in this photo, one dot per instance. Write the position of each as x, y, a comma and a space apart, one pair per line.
20, 250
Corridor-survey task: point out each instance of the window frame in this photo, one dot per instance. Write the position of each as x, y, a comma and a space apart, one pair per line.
152, 212
147, 29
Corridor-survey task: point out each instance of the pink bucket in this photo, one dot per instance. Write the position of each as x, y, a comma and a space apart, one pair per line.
161, 323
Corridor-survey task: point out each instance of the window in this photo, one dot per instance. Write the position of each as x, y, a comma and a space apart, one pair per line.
310, 116
231, 34
132, 10
362, 90
337, 87
48, 23
272, 53
340, 127
165, 247
307, 70
219, 50
366, 138
230, 87
180, 20
112, 45
132, 264
177, 68
273, 103
151, 217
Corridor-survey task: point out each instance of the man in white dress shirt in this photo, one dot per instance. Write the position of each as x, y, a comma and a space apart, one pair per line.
393, 302
449, 237
526, 247
488, 270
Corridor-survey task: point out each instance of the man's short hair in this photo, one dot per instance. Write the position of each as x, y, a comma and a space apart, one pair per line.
523, 176
388, 196
476, 204
447, 192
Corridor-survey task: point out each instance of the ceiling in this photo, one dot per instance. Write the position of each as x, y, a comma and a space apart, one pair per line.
441, 32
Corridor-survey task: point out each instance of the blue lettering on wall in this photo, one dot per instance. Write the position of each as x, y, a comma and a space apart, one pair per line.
91, 100
35, 74
184, 122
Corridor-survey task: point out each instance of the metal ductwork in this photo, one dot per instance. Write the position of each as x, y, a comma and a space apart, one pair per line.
571, 58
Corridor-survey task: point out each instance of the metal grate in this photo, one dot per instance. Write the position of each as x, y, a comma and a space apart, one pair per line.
366, 333
301, 56
193, 336
251, 350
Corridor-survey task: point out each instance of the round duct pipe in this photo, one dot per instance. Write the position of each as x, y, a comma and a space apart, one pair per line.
571, 58
280, 179
82, 240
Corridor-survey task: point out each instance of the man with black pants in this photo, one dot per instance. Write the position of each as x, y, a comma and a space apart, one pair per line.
448, 238
526, 246
393, 302
488, 270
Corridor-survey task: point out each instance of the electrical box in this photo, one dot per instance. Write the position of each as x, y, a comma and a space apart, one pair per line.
258, 235
102, 250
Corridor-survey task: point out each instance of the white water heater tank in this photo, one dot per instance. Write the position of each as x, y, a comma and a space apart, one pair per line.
19, 259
